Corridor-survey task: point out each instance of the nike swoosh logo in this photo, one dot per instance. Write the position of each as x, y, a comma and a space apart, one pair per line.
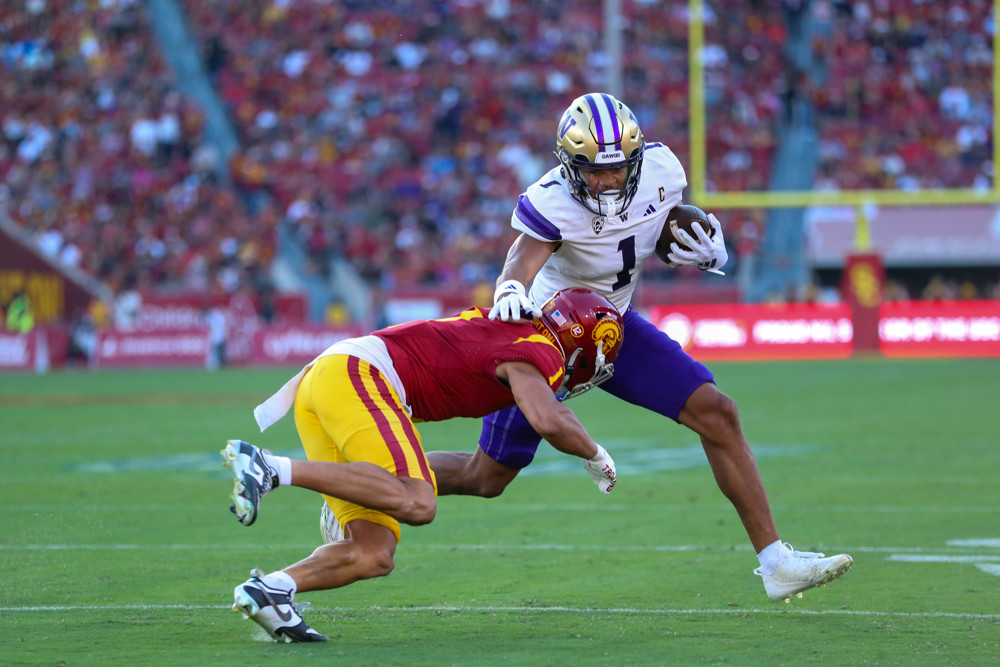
283, 615
256, 472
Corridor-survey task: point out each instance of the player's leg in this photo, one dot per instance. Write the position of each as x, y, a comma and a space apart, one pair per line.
366, 551
653, 371
268, 599
362, 446
367, 457
714, 417
405, 499
470, 474
507, 444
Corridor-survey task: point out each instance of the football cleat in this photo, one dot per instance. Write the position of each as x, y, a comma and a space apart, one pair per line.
272, 609
802, 570
252, 478
329, 527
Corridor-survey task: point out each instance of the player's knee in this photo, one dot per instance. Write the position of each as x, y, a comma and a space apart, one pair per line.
379, 562
490, 487
369, 560
422, 506
712, 413
727, 411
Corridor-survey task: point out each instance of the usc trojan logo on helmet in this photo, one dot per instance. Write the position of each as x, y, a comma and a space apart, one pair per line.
588, 329
609, 332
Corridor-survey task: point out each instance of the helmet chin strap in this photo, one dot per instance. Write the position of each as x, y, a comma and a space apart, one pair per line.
602, 372
607, 204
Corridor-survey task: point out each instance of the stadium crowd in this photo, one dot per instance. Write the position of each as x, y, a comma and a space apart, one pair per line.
906, 102
102, 160
449, 108
398, 135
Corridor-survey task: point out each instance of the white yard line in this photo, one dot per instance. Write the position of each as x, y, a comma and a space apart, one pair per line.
539, 609
934, 553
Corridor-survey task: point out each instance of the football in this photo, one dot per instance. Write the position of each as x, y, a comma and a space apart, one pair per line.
682, 216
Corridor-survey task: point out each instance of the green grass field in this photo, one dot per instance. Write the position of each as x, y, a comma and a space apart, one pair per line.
117, 546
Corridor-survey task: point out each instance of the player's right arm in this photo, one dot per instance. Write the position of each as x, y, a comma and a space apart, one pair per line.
525, 259
555, 422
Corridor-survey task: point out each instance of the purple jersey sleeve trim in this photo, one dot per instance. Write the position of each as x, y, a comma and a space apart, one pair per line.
535, 221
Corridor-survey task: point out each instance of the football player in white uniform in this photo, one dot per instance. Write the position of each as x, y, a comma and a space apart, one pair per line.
591, 222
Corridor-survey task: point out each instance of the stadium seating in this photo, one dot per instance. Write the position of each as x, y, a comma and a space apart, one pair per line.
905, 98
102, 159
398, 135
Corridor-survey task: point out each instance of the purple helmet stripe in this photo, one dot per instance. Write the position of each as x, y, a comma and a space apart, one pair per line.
598, 125
614, 121
535, 221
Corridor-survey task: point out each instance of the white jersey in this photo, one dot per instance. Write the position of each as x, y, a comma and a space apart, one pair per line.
600, 253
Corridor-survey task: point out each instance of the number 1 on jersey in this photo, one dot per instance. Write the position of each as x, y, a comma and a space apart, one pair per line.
627, 248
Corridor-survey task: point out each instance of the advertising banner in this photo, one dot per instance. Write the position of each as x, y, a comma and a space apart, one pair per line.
274, 345
747, 331
295, 344
135, 349
17, 351
36, 351
940, 329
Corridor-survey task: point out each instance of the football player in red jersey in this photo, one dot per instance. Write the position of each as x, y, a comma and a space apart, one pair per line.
355, 407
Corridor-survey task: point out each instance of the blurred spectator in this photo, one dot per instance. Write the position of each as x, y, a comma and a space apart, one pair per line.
82, 340
218, 332
747, 243
20, 318
895, 291
128, 303
939, 289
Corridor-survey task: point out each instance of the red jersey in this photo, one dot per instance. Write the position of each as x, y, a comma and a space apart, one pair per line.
448, 366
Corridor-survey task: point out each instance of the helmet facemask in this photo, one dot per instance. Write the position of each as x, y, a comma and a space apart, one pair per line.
599, 132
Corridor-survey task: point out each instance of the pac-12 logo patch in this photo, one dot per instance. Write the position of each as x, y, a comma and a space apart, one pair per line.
598, 223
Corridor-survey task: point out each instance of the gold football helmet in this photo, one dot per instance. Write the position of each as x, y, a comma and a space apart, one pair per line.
599, 132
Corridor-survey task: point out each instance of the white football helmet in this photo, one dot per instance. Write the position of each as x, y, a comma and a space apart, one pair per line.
599, 132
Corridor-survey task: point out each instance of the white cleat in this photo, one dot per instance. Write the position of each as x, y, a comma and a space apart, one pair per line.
801, 570
273, 609
252, 478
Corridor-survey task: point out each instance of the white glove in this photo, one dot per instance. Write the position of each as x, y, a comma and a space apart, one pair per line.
707, 253
509, 300
602, 470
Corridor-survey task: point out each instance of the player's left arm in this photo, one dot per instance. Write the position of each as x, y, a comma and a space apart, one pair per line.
707, 252
555, 422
